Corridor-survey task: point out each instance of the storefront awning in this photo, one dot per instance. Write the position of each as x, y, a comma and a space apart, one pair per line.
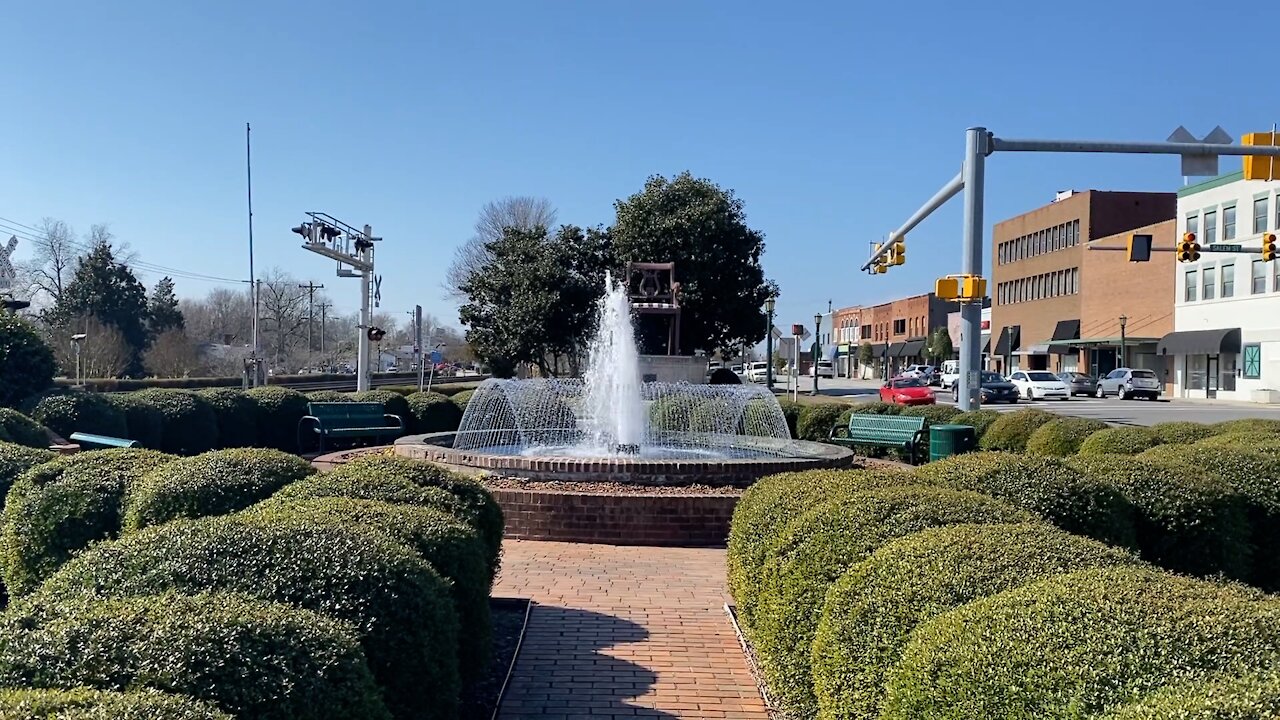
1200, 342
895, 350
881, 350
1032, 350
986, 346
912, 348
1065, 330
1009, 341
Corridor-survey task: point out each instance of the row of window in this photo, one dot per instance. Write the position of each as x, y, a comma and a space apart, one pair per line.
1209, 282
1038, 287
911, 327
1039, 242
1204, 223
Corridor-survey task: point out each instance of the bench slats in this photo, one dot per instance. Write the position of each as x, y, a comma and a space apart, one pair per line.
890, 431
350, 420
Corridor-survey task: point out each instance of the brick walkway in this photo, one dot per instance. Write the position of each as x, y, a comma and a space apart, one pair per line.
624, 632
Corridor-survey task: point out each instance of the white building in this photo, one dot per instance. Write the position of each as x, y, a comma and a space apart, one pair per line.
1226, 339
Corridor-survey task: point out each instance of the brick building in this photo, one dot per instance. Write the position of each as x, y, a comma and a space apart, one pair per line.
1042, 274
899, 329
847, 336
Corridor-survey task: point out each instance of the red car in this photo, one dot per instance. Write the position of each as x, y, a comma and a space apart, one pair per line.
906, 391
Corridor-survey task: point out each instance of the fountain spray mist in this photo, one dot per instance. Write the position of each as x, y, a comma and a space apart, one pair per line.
616, 411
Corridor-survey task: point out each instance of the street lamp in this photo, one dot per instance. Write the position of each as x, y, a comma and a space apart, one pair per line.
1124, 320
817, 348
768, 344
75, 342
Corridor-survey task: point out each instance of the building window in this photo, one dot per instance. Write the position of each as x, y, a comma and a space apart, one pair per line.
1228, 280
1075, 280
1193, 224
1258, 284
1210, 226
899, 326
1190, 286
1209, 281
1229, 223
1252, 357
1260, 215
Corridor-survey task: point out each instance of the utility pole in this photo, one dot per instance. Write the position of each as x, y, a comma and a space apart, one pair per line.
323, 307
311, 289
256, 361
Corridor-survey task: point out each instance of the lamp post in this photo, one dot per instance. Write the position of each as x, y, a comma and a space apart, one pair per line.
1124, 320
768, 344
817, 348
75, 342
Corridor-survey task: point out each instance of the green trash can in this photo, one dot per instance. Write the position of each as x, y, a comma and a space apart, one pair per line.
948, 440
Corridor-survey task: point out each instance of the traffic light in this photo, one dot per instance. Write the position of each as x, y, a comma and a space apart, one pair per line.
961, 288
1140, 248
881, 264
947, 288
1188, 249
376, 334
1269, 246
898, 253
1261, 167
307, 231
973, 287
329, 232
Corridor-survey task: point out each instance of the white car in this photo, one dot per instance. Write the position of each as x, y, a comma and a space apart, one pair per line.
757, 372
822, 369
1039, 385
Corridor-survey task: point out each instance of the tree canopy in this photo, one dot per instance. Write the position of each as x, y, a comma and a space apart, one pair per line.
106, 289
163, 308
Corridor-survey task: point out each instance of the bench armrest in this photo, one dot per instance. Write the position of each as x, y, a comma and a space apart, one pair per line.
835, 430
399, 420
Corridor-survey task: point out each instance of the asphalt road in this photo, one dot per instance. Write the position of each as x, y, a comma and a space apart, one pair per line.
1112, 410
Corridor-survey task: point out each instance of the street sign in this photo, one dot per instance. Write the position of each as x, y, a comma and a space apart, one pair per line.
436, 356
1222, 247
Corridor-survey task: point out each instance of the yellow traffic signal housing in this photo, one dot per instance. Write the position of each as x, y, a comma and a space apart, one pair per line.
1269, 246
973, 288
1261, 167
947, 288
1188, 249
898, 254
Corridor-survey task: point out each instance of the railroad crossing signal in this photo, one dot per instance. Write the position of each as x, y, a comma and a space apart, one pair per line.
1188, 249
1261, 167
1269, 246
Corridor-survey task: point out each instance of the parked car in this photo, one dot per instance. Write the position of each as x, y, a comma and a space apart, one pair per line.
994, 388
1039, 385
1078, 383
1127, 383
823, 369
758, 372
906, 391
949, 373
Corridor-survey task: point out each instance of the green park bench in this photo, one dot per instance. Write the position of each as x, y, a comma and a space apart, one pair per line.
908, 434
343, 420
91, 441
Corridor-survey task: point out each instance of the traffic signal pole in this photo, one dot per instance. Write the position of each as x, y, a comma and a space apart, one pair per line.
974, 179
363, 371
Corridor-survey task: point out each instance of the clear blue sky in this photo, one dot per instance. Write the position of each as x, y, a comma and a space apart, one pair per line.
832, 121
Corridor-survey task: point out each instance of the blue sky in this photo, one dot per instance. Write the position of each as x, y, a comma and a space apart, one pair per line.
832, 121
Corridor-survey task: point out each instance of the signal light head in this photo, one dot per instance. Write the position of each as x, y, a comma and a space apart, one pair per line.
304, 230
329, 232
1269, 249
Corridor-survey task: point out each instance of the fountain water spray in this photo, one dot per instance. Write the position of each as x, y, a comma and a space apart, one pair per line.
615, 418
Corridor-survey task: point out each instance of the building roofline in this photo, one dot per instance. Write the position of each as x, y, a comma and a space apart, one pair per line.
1211, 183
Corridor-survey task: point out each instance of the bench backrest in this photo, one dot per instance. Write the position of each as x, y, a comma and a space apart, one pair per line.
103, 441
884, 428
349, 415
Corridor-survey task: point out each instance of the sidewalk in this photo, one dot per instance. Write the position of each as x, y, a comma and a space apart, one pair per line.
624, 632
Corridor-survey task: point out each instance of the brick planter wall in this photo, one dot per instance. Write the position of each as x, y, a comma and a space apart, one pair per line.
665, 520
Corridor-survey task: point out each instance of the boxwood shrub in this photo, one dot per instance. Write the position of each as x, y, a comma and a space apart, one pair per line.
1255, 696
1120, 441
1011, 431
461, 399
237, 416
77, 411
247, 657
1270, 425
215, 483
58, 508
870, 613
791, 411
762, 513
88, 704
876, 407
278, 411
325, 396
16, 459
22, 429
980, 420
816, 420
819, 546
144, 420
1256, 478
1071, 646
190, 424
450, 546
1182, 432
1186, 520
431, 412
26, 362
1261, 442
1048, 487
1062, 437
399, 605
382, 488
393, 403
936, 414
482, 511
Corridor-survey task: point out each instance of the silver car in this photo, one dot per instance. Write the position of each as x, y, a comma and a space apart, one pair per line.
1127, 383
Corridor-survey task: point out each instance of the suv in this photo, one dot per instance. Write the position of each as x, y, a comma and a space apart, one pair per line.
1126, 383
924, 372
822, 369
757, 371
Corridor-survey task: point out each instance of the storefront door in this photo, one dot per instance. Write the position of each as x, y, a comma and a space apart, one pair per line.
1211, 378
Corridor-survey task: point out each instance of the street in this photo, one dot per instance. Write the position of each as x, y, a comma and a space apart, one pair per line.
1111, 410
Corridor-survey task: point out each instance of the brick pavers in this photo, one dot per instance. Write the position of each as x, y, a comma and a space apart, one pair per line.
624, 632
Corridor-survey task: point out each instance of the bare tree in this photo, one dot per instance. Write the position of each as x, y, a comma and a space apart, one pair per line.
54, 260
103, 351
223, 317
521, 212
171, 355
283, 308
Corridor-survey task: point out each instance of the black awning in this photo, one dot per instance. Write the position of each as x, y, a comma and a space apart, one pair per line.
1200, 342
912, 348
881, 350
1002, 342
1065, 330
986, 349
895, 350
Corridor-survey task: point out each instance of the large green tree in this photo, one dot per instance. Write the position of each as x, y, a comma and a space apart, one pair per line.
106, 289
163, 308
533, 301
703, 229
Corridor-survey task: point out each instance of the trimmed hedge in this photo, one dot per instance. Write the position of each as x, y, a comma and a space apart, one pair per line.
450, 546
215, 483
1253, 697
22, 429
398, 604
382, 488
26, 362
319, 396
77, 411
1120, 441
936, 414
979, 420
60, 507
237, 416
190, 423
461, 399
247, 657
870, 613
1048, 487
1182, 432
144, 420
1072, 645
1256, 478
1261, 442
762, 513
1011, 431
1062, 437
393, 403
482, 511
278, 412
88, 704
877, 407
815, 421
819, 546
430, 412
791, 411
1248, 425
16, 459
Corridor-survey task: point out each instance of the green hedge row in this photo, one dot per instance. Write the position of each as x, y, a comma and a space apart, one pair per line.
86, 704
